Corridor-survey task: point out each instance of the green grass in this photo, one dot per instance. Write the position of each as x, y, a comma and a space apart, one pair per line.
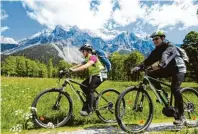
18, 94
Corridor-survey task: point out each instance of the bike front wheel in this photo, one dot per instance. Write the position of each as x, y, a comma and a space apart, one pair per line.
139, 110
51, 108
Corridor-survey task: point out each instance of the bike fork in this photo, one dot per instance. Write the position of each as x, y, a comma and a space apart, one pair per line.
56, 105
136, 100
136, 106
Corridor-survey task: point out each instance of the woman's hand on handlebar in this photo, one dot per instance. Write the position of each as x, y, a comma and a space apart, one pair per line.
65, 72
71, 69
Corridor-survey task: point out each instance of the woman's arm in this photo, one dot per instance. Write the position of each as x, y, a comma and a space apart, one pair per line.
83, 67
76, 66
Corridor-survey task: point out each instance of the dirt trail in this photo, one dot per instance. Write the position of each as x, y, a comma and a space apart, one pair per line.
114, 130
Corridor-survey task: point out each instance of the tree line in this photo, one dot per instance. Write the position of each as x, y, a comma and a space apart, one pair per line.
190, 45
23, 67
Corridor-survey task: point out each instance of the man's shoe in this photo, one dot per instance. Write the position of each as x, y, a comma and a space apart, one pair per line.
180, 122
85, 113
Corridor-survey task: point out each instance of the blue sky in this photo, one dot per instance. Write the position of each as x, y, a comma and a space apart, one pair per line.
19, 23
143, 18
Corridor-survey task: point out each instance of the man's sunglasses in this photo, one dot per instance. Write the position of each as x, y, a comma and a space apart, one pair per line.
155, 39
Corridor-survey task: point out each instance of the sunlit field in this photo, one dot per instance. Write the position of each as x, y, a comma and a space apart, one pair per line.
17, 95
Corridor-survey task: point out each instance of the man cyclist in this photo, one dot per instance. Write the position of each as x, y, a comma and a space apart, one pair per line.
171, 64
94, 67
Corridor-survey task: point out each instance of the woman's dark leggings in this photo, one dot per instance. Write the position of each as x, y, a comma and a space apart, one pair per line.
92, 83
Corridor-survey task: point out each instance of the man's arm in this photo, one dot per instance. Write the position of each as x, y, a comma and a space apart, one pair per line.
167, 56
152, 58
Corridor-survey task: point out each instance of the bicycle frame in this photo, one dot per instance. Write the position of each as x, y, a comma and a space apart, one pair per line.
77, 92
147, 80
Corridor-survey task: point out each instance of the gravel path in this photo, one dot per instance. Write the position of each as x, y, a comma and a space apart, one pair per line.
116, 130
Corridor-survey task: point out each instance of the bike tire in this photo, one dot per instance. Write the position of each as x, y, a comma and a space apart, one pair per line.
41, 121
190, 106
111, 96
119, 118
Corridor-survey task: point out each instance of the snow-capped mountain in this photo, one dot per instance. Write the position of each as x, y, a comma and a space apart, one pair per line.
66, 40
131, 42
7, 40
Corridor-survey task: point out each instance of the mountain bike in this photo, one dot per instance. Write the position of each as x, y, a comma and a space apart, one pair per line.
53, 107
138, 114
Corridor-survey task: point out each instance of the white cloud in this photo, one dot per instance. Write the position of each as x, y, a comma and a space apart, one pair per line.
129, 11
76, 12
3, 14
7, 40
183, 12
69, 12
3, 29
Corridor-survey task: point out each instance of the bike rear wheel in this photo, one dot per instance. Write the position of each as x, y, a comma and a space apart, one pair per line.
190, 101
51, 108
139, 110
105, 105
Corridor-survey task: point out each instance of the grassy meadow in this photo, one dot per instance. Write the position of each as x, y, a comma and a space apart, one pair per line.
17, 94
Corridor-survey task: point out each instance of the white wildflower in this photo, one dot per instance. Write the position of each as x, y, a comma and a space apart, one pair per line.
16, 112
50, 125
27, 116
30, 124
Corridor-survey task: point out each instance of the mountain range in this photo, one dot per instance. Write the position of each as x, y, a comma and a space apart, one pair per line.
64, 42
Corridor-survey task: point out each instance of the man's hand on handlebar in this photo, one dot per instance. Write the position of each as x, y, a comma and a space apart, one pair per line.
141, 68
135, 69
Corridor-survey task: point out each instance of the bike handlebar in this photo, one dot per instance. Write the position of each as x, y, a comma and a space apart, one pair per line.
64, 73
144, 69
